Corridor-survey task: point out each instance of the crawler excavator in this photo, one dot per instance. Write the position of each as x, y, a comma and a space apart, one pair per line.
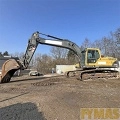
91, 63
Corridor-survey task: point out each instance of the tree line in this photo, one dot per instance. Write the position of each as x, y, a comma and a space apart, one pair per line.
4, 54
109, 46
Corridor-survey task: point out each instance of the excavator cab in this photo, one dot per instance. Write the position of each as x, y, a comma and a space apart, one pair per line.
92, 58
89, 57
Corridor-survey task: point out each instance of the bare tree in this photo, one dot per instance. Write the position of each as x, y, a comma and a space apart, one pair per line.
18, 54
97, 44
117, 42
72, 58
58, 52
44, 63
105, 45
87, 43
59, 55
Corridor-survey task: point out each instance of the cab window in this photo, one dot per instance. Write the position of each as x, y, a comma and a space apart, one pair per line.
92, 56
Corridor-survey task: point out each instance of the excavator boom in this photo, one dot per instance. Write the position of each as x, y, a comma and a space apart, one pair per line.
36, 39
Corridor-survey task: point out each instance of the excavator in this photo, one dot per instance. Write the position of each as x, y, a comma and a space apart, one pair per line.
92, 64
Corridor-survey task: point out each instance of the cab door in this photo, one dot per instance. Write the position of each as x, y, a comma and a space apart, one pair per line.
92, 57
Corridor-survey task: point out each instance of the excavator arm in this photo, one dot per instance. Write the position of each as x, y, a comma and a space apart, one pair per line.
11, 65
36, 39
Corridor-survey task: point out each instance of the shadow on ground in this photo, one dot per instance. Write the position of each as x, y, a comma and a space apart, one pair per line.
25, 111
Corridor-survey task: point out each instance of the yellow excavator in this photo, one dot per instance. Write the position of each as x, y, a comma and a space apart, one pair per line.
92, 64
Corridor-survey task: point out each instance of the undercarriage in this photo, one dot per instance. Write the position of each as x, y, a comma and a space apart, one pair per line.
83, 74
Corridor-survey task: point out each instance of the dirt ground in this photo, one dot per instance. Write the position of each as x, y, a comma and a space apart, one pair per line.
55, 97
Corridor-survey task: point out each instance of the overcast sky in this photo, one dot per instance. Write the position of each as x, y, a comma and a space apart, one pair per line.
70, 19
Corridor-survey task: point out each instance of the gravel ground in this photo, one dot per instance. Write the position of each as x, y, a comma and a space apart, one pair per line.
54, 97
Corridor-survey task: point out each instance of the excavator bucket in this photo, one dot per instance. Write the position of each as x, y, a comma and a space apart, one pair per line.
8, 70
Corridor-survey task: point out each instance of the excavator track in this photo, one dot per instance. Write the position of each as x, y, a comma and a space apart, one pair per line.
92, 74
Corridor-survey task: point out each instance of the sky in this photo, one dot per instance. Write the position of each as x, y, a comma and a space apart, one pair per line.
69, 19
